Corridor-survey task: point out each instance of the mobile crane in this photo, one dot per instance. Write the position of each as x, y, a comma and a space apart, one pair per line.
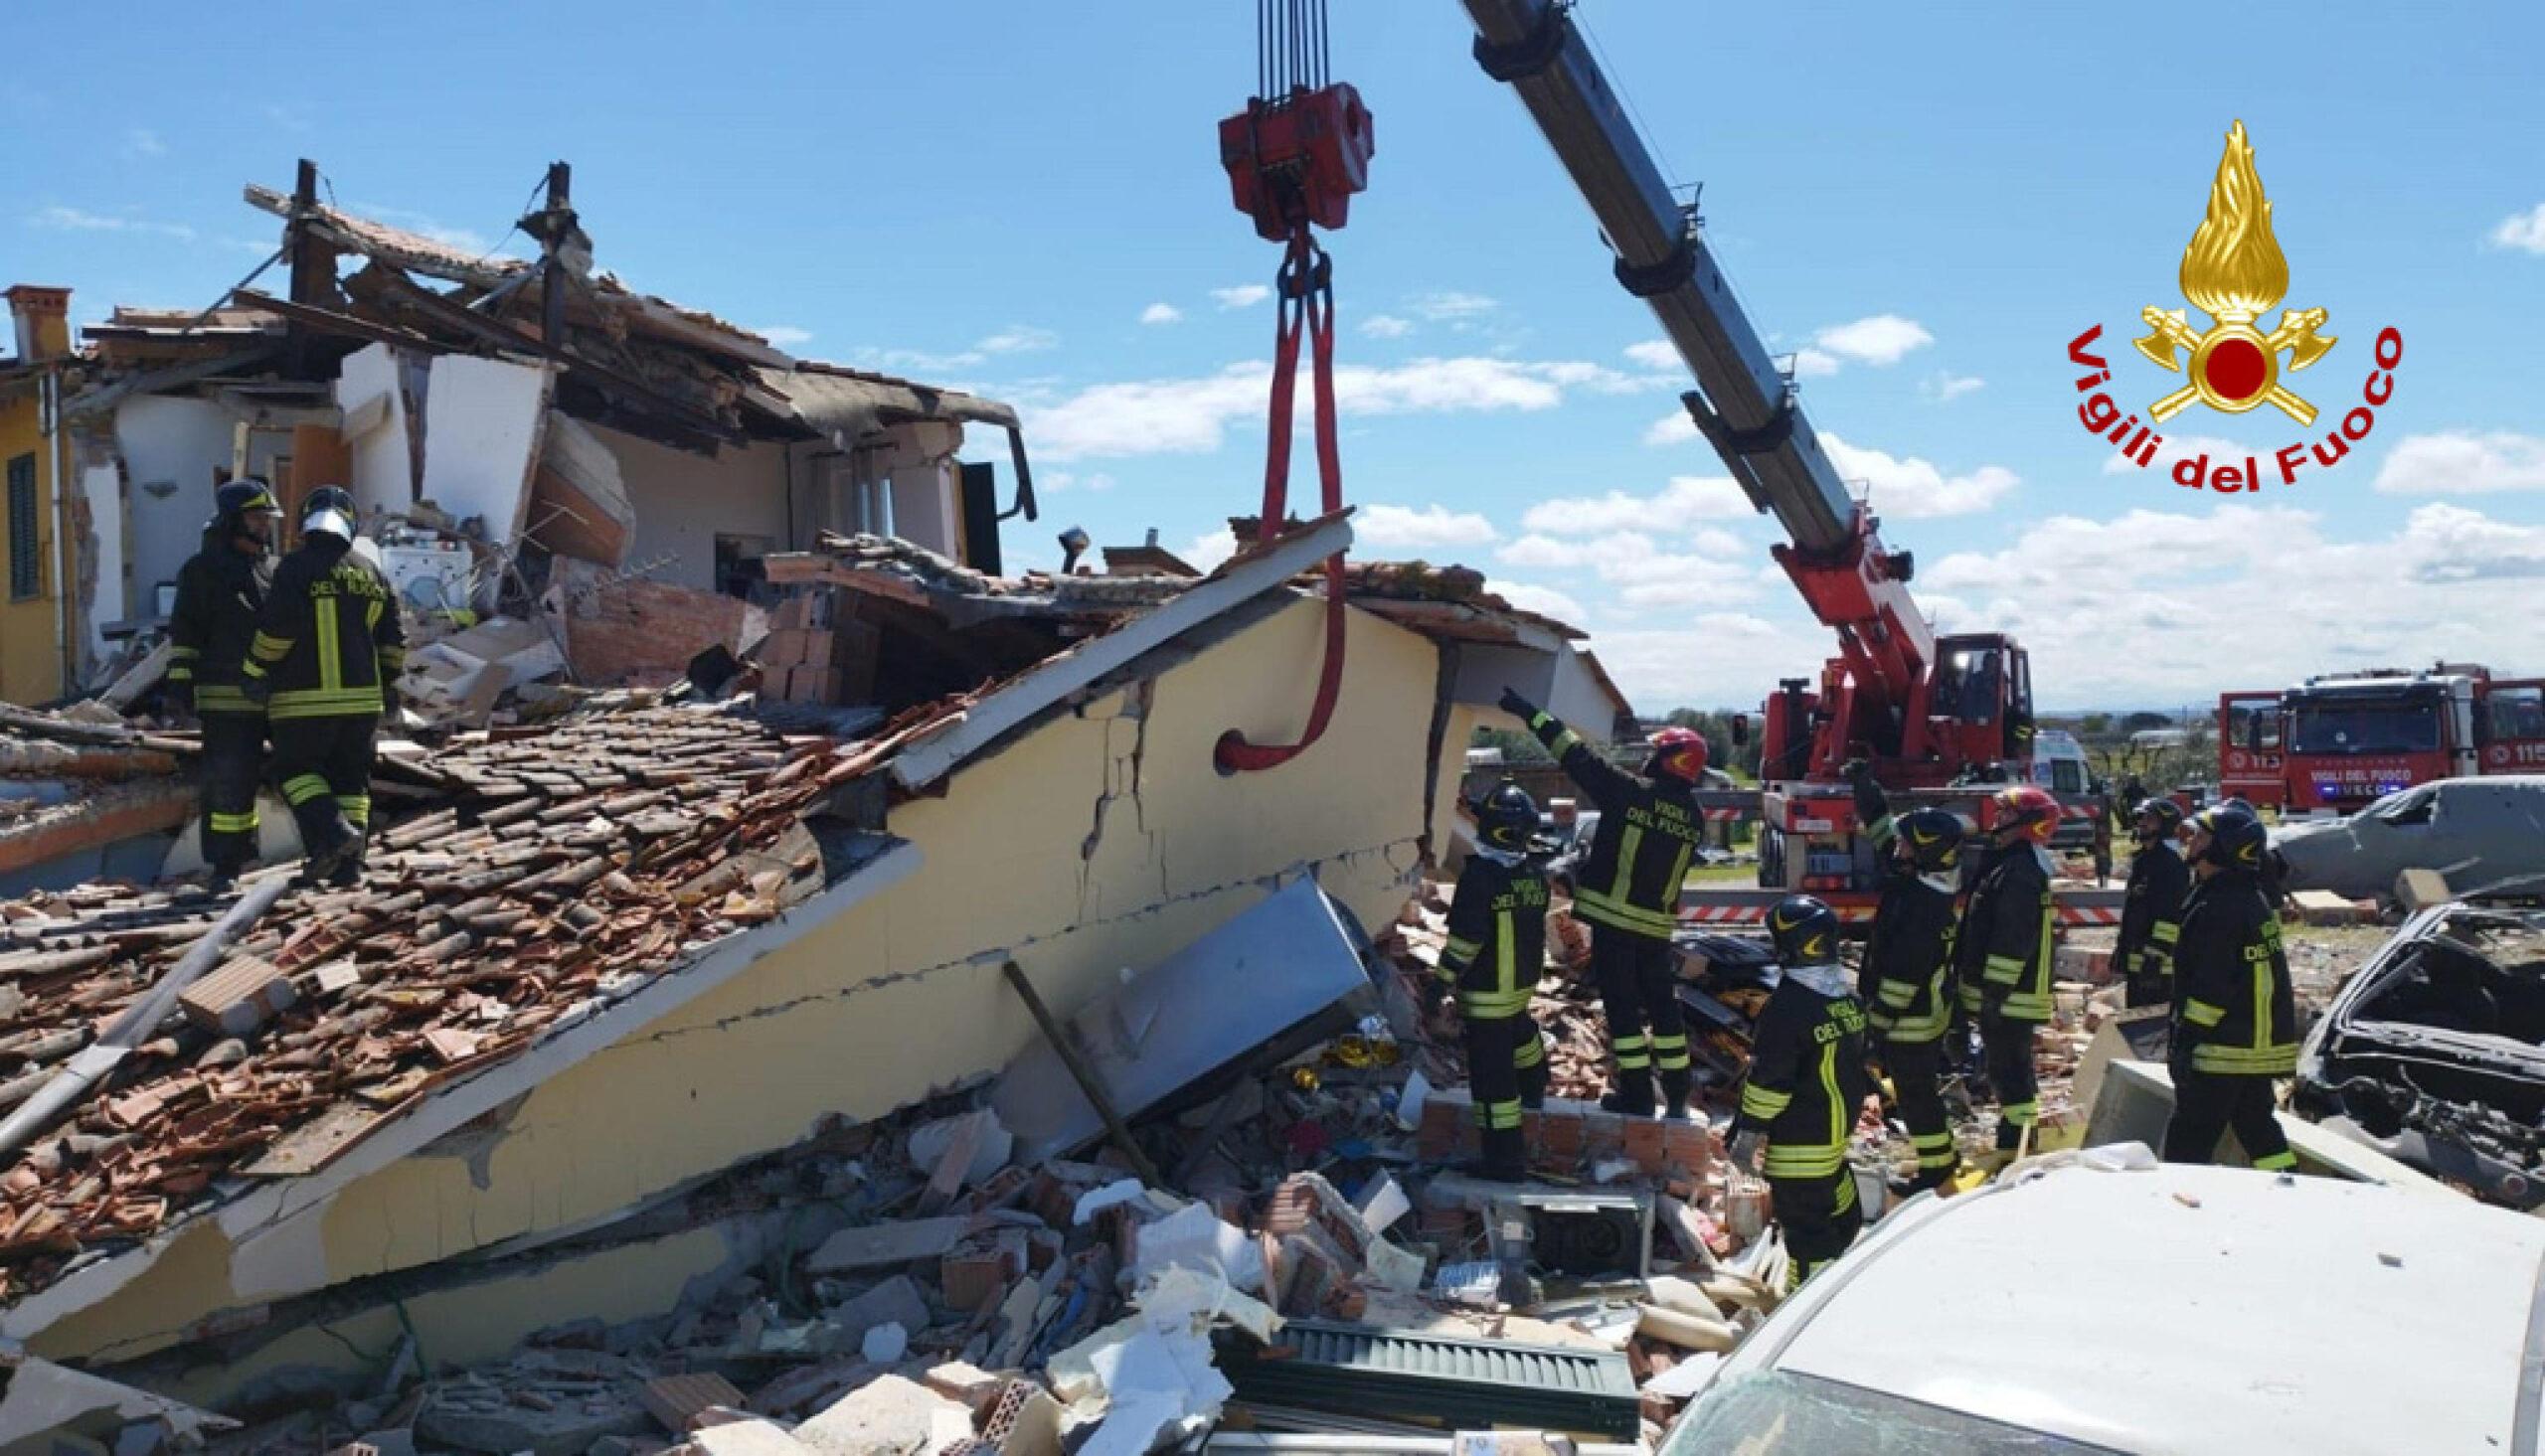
1928, 712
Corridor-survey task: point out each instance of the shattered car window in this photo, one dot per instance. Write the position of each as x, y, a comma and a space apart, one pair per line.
1780, 1413
2407, 809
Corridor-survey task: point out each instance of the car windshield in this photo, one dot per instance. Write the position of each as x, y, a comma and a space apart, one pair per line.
1780, 1413
2336, 725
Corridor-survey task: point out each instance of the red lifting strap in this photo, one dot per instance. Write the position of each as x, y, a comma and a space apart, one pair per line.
1306, 295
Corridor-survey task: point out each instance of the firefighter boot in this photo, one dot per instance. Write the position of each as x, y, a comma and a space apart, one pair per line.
1674, 1094
1631, 1095
1506, 1157
347, 872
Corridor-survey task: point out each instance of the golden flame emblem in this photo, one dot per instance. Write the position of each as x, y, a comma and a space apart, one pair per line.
2234, 271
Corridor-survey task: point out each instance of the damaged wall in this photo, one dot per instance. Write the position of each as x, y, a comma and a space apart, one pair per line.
172, 445
683, 502
1100, 841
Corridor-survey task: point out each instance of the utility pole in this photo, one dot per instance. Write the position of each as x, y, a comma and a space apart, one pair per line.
558, 225
305, 265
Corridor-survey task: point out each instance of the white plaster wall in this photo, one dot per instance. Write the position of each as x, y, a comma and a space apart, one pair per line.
102, 487
383, 465
175, 440
684, 501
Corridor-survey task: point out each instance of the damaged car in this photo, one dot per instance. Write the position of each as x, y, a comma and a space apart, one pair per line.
2434, 1054
2486, 835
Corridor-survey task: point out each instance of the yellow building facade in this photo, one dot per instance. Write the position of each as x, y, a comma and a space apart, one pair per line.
35, 621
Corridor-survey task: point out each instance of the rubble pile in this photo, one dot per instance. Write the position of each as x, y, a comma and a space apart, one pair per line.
564, 870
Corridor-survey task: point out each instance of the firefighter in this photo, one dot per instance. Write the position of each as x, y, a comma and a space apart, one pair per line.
219, 591
2153, 910
1806, 1080
2234, 1024
325, 663
1907, 983
1496, 951
1628, 890
2001, 954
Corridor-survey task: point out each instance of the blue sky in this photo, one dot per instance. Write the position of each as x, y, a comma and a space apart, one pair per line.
1926, 202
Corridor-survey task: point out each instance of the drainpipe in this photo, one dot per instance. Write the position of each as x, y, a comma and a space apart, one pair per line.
49, 409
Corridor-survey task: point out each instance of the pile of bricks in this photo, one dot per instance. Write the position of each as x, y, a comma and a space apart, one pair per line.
1572, 1139
817, 651
568, 867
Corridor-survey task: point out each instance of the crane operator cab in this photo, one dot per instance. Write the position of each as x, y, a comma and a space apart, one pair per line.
1982, 705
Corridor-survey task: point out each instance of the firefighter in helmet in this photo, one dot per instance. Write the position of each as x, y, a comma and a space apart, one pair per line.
2003, 951
2151, 911
1806, 1079
1628, 891
1907, 983
2235, 1026
325, 662
1496, 951
220, 591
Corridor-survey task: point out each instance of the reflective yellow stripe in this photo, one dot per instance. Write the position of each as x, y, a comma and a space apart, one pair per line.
234, 823
2003, 968
1603, 909
1459, 950
1531, 1052
1493, 1005
2165, 933
1563, 744
2277, 1162
1764, 1103
2202, 1014
2262, 1003
331, 667
184, 654
1621, 890
2021, 1114
1921, 1029
1840, 1115
215, 697
357, 807
316, 702
2024, 1007
1790, 1162
1506, 959
2247, 1061
1670, 1053
1498, 1114
300, 788
1898, 994
1678, 871
180, 672
268, 648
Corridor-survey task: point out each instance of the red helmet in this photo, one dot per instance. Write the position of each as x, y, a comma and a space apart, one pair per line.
2030, 812
1679, 752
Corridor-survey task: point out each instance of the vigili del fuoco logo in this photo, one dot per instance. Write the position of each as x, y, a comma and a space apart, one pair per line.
2234, 271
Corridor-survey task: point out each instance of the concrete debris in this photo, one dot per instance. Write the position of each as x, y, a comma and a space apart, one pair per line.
891, 1416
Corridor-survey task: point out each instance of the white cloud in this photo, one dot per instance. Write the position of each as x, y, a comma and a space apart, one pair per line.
2162, 581
2522, 230
1546, 601
1386, 326
1012, 340
1244, 295
2459, 462
1881, 339
1673, 429
1161, 313
1058, 482
2178, 447
786, 336
1654, 353
1945, 388
1206, 551
77, 220
1814, 364
1193, 416
1645, 572
1716, 659
1407, 527
1686, 500
1451, 307
141, 142
1908, 488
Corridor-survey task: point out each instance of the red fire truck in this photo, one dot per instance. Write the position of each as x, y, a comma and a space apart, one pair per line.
2336, 743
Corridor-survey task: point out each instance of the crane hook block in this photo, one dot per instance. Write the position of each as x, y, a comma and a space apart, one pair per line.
1298, 158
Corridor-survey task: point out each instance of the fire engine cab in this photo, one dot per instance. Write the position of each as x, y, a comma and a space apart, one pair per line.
2336, 743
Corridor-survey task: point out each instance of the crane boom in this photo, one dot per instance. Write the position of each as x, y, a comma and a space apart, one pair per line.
1875, 693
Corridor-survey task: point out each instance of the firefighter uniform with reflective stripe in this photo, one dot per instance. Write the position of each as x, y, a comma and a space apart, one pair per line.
1805, 1081
2003, 958
220, 591
2234, 1024
1629, 892
1496, 949
2151, 924
328, 641
1906, 987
